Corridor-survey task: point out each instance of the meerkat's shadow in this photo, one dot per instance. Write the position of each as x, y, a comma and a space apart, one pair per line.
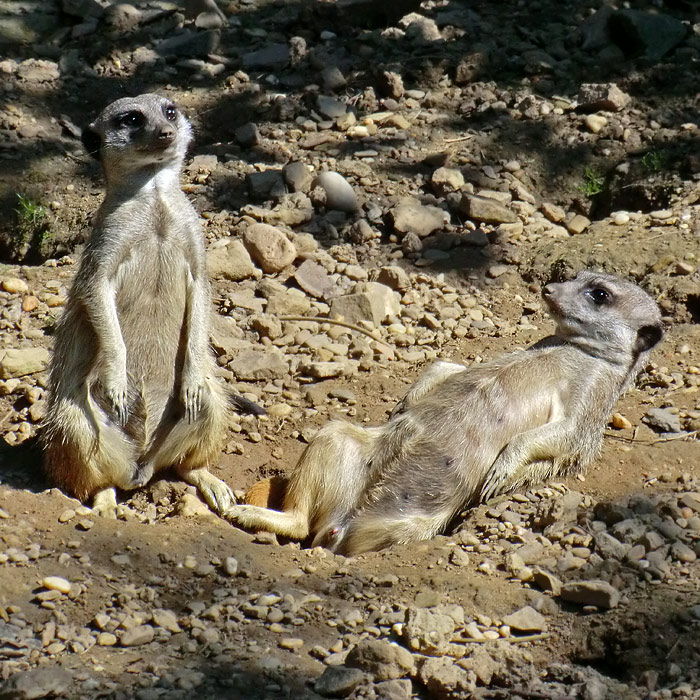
20, 466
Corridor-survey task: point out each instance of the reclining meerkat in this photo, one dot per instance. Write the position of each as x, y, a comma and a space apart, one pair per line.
461, 435
132, 387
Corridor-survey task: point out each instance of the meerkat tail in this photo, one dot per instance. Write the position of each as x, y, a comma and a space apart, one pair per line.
240, 403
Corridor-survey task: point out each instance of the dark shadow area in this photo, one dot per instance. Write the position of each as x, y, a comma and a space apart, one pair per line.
20, 466
528, 55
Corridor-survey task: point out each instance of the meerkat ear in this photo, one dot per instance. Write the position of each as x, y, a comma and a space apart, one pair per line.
647, 337
92, 141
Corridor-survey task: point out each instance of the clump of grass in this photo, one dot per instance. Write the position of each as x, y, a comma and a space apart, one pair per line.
652, 161
593, 182
33, 226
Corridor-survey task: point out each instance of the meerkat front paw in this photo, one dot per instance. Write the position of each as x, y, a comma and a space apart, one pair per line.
192, 396
495, 481
116, 389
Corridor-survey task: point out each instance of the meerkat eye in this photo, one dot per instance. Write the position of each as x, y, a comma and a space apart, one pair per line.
133, 120
170, 113
599, 296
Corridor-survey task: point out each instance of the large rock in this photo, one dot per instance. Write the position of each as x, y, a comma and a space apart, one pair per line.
47, 682
375, 303
658, 418
601, 96
652, 35
18, 362
272, 56
412, 216
270, 248
136, 636
486, 209
598, 593
253, 365
340, 194
428, 632
314, 280
384, 660
447, 681
526, 619
227, 258
190, 43
338, 681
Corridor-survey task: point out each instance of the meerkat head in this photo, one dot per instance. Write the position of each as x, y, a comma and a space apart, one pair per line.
138, 132
605, 315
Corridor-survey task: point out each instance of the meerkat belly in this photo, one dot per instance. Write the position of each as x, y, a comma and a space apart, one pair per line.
151, 305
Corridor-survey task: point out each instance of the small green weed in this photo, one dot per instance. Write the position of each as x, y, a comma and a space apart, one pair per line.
652, 161
33, 226
593, 182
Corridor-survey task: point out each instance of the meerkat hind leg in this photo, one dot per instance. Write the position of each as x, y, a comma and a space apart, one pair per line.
294, 524
216, 493
104, 503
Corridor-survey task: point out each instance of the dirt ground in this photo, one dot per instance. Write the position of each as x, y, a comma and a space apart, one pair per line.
499, 85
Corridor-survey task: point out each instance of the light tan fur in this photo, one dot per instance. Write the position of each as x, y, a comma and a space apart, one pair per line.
132, 380
464, 434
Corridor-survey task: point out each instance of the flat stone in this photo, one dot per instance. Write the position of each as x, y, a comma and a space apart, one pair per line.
598, 593
445, 680
228, 259
338, 681
18, 362
47, 682
602, 96
38, 71
298, 176
659, 418
189, 43
261, 184
414, 217
141, 634
269, 247
595, 123
254, 365
546, 581
553, 212
381, 659
610, 547
577, 224
56, 583
526, 619
486, 209
375, 304
272, 56
331, 107
394, 277
428, 632
314, 280
14, 285
247, 135
167, 620
446, 180
653, 34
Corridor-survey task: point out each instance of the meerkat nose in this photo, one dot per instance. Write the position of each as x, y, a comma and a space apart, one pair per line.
166, 134
548, 290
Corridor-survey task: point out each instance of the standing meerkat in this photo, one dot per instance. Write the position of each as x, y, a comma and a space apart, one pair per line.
132, 385
461, 435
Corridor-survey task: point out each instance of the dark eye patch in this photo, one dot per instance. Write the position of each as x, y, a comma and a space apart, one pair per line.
170, 112
599, 296
132, 119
